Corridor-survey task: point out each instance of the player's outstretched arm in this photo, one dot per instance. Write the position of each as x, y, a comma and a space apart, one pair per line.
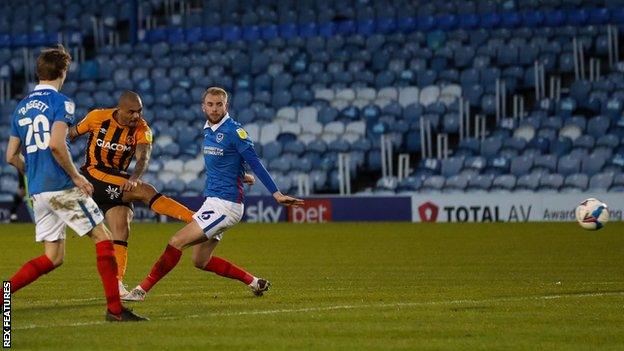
59, 150
287, 200
250, 156
14, 155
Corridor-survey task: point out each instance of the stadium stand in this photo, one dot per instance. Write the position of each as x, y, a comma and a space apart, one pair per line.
313, 82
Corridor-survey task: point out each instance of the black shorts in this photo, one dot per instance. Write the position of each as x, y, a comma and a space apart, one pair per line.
108, 194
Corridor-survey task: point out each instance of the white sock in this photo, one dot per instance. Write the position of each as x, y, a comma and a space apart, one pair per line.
254, 283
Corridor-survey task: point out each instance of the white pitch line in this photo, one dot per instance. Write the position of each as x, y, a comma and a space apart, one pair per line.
349, 307
86, 299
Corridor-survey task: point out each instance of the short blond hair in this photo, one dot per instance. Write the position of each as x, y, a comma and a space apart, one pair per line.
215, 91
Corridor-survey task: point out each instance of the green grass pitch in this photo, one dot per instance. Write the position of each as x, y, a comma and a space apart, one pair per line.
403, 286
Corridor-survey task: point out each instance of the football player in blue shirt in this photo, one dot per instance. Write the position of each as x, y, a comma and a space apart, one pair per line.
61, 196
226, 148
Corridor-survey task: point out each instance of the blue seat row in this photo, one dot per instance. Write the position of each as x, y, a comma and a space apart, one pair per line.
367, 27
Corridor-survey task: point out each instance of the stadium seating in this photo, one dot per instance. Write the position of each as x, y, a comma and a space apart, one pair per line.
309, 84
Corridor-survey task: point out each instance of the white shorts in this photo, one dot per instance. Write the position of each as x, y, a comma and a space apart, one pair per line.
54, 210
217, 215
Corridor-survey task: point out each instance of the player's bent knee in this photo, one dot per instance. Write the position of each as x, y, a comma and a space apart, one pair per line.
100, 233
177, 242
147, 192
56, 259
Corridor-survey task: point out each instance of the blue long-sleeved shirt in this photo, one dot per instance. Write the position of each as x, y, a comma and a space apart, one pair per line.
226, 148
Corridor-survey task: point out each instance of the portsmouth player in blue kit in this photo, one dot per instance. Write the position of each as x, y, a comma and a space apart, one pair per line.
61, 196
226, 148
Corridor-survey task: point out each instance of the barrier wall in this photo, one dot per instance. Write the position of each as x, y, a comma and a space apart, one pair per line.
508, 207
457, 207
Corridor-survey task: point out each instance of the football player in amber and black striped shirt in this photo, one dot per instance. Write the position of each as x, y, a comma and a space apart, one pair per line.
116, 135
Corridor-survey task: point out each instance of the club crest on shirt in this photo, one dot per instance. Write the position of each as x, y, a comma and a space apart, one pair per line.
241, 133
70, 107
113, 192
219, 137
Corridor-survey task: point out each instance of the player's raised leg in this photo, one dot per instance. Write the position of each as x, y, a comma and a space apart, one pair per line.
158, 202
204, 260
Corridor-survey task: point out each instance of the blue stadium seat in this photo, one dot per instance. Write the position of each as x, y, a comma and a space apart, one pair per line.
468, 21
504, 182
608, 140
618, 181
272, 150
231, 33
481, 182
601, 181
339, 145
317, 145
450, 166
387, 25
413, 141
457, 182
528, 182
575, 182
428, 166
546, 163
599, 15
539, 144
551, 182
280, 165
613, 107
598, 126
194, 35
561, 146
425, 23
477, 163
521, 165
490, 20
592, 164
580, 90
450, 123
468, 146
490, 146
408, 24
532, 18
577, 17
411, 183
251, 33
584, 141
514, 143
498, 165
433, 183
568, 165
